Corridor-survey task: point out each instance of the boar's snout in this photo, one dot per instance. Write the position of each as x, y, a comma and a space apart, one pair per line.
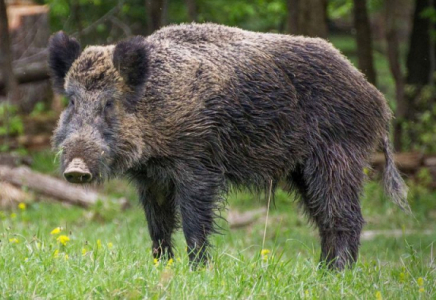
77, 172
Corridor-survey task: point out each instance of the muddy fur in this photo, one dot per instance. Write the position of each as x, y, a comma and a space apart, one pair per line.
193, 108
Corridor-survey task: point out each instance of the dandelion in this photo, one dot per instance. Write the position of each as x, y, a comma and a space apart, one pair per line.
66, 257
156, 262
22, 206
63, 239
170, 262
56, 230
110, 245
84, 251
264, 254
14, 241
402, 277
98, 244
378, 295
56, 253
420, 282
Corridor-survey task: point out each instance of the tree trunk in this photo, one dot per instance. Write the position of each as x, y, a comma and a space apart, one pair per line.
29, 35
76, 13
364, 40
157, 11
11, 83
191, 6
307, 17
420, 65
391, 12
418, 58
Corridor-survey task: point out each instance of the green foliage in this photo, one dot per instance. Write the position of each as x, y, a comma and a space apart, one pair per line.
258, 15
10, 122
421, 132
340, 9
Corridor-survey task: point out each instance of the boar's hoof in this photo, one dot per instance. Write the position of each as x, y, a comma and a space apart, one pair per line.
77, 172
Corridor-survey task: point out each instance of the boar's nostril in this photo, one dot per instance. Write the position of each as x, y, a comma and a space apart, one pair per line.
78, 177
77, 172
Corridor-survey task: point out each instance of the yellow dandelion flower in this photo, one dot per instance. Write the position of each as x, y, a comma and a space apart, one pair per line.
56, 253
264, 252
66, 257
402, 277
156, 261
14, 241
13, 215
84, 251
63, 239
98, 244
110, 245
378, 295
420, 281
22, 206
170, 262
56, 230
421, 290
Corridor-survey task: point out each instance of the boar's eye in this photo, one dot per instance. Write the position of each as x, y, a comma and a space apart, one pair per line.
109, 104
72, 102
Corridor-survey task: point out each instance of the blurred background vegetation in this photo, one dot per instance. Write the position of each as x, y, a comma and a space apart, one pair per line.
392, 41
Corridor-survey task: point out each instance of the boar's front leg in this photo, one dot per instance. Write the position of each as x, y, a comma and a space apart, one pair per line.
160, 211
198, 194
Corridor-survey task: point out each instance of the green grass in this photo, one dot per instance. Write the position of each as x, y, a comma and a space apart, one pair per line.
109, 250
109, 254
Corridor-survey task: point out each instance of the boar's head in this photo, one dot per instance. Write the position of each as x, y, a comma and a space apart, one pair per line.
98, 134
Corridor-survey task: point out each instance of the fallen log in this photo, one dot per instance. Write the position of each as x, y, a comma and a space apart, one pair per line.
237, 219
10, 195
49, 186
408, 162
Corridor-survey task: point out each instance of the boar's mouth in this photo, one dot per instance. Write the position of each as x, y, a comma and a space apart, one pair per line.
77, 172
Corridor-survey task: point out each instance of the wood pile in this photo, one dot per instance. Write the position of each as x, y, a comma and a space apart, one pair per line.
30, 32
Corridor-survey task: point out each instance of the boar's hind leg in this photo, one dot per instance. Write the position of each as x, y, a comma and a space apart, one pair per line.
330, 185
160, 212
198, 196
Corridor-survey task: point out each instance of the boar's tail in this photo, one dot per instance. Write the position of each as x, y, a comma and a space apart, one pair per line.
394, 185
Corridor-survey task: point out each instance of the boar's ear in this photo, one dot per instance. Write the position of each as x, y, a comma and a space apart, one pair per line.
63, 51
130, 58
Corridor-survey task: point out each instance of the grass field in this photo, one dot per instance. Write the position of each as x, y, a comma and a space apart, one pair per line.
107, 253
104, 253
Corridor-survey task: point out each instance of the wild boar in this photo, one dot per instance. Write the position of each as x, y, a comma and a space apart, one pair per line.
192, 109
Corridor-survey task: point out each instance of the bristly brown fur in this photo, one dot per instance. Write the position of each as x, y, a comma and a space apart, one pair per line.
194, 107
